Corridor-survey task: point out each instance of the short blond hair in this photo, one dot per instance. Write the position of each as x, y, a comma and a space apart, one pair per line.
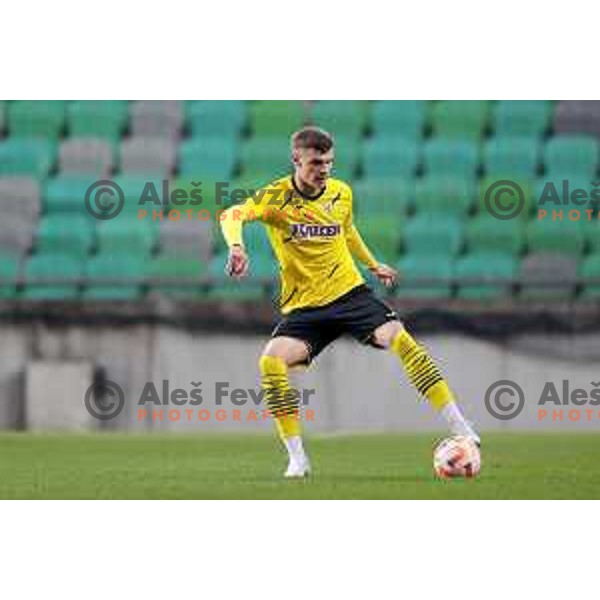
312, 137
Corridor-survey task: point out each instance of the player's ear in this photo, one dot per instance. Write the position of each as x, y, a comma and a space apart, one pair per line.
296, 156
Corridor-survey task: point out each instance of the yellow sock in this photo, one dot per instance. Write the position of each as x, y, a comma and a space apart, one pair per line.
280, 398
421, 370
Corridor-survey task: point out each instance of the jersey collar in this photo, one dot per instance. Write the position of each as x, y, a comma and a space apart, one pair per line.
305, 196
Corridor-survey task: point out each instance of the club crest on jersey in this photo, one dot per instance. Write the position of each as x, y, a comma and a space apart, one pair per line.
303, 231
330, 205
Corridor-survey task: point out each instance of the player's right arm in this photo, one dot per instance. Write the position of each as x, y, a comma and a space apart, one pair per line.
232, 222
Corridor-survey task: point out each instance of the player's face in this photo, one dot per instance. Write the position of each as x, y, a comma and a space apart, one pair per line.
313, 167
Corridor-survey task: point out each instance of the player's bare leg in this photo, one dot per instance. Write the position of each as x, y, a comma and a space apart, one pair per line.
424, 375
279, 355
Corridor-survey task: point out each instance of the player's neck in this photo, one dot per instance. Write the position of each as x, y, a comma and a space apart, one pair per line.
306, 190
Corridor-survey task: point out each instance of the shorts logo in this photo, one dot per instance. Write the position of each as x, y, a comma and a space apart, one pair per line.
303, 231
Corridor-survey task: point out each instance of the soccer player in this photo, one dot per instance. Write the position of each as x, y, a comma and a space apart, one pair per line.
309, 220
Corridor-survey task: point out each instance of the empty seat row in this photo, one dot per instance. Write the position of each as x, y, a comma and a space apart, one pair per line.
427, 232
383, 156
462, 119
118, 276
486, 275
480, 276
108, 275
79, 235
427, 235
110, 119
440, 195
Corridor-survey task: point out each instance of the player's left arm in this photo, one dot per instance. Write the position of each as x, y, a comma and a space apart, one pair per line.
387, 275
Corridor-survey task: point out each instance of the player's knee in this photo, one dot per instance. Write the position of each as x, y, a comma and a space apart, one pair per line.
268, 363
291, 351
385, 333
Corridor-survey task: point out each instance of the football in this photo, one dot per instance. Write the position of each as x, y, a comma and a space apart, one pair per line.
456, 457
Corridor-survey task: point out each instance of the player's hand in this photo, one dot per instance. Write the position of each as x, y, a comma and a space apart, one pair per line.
237, 264
385, 274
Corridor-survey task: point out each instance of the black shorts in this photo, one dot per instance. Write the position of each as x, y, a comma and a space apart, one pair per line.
357, 313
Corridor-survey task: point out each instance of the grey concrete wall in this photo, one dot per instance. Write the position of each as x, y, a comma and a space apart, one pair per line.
53, 393
356, 388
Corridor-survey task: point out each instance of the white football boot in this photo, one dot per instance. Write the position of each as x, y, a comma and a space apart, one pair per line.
298, 466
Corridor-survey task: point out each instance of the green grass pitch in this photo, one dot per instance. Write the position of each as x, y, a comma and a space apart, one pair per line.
250, 466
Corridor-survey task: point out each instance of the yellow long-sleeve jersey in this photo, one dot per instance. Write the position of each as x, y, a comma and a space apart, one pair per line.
313, 240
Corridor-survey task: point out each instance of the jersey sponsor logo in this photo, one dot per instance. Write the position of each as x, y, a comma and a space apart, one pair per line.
303, 231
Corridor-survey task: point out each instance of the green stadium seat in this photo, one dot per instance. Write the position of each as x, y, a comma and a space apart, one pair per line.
262, 155
10, 268
485, 234
460, 119
131, 237
171, 267
390, 157
341, 117
444, 194
208, 158
263, 266
392, 196
217, 118
49, 267
439, 235
522, 117
105, 272
27, 157
577, 154
590, 269
561, 237
228, 289
451, 157
256, 239
66, 234
424, 277
382, 235
36, 118
106, 119
348, 150
401, 118
504, 193
276, 117
200, 197
516, 155
485, 265
66, 195
141, 192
